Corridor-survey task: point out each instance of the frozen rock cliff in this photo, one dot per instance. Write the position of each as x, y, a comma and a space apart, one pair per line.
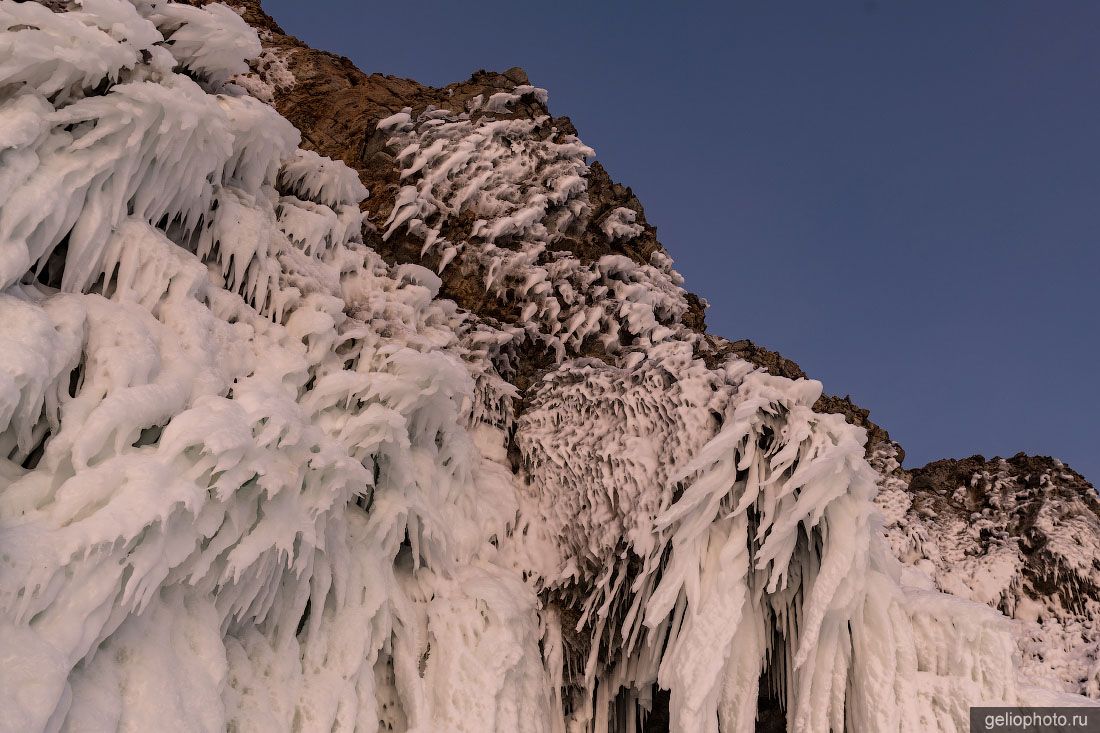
331, 401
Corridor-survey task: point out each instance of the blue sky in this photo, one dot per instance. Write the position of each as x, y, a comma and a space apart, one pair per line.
903, 197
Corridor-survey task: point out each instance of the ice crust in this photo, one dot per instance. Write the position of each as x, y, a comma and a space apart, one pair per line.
973, 556
253, 477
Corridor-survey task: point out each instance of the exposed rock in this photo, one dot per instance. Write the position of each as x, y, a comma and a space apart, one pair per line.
1020, 534
338, 108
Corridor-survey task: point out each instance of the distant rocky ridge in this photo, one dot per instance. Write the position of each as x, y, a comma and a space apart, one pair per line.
1022, 534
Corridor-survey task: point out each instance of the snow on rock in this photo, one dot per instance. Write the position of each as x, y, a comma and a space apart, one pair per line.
270, 74
493, 196
1016, 534
620, 224
253, 477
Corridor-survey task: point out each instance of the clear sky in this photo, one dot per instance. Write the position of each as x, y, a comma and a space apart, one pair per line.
903, 197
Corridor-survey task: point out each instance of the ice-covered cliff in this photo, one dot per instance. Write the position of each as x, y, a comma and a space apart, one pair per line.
1018, 534
434, 442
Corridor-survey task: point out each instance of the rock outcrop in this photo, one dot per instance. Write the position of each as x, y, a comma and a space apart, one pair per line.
1019, 534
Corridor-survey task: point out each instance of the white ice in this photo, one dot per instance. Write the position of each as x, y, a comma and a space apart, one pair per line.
252, 477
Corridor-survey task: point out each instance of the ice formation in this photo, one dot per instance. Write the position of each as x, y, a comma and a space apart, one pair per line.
253, 477
523, 183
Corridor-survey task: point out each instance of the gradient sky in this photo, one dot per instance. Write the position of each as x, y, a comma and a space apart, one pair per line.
903, 197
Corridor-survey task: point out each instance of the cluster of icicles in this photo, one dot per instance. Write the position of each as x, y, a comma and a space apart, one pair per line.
523, 182
253, 478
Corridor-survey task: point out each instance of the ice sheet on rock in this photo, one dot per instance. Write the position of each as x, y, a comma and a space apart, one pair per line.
211, 41
600, 445
504, 101
254, 477
144, 149
620, 224
765, 569
513, 182
61, 56
321, 179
